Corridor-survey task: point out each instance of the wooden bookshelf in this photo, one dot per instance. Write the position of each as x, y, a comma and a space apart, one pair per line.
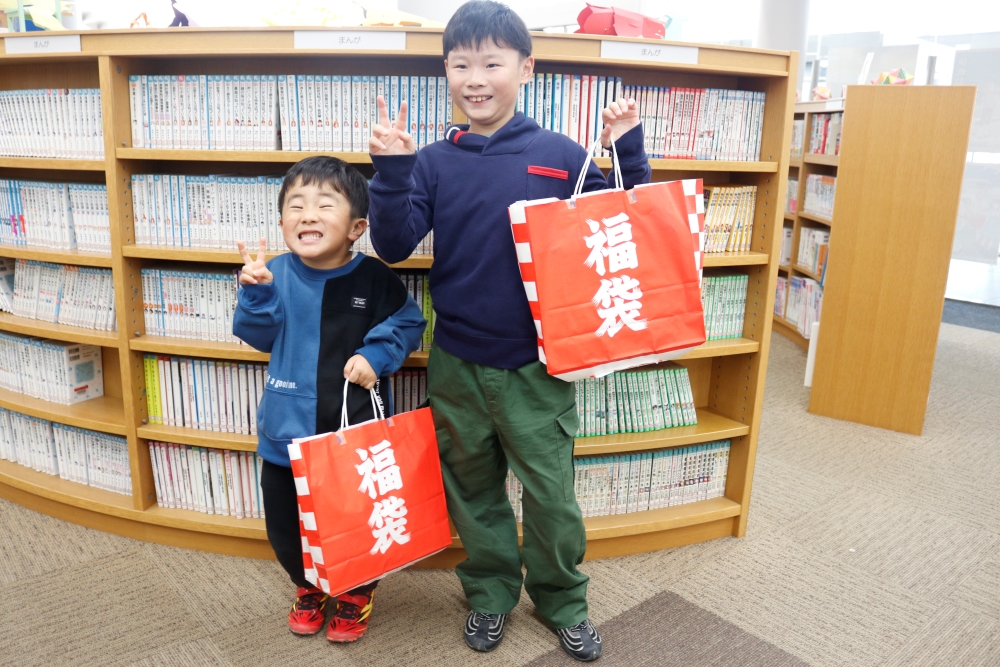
801, 168
727, 375
896, 205
882, 309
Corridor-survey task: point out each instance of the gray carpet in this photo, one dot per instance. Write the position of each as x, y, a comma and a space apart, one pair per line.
975, 315
865, 548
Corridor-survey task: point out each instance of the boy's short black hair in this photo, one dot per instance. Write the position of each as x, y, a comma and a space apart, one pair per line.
323, 170
482, 20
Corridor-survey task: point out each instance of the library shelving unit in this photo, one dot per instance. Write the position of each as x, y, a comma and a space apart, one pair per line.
727, 376
902, 157
800, 168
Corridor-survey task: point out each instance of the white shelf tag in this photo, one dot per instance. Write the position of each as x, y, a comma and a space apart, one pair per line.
649, 51
835, 105
353, 40
43, 42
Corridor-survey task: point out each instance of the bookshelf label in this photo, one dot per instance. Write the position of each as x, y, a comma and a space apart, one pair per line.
353, 40
834, 105
45, 42
660, 53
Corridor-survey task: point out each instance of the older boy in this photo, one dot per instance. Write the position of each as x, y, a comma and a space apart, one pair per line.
324, 314
494, 404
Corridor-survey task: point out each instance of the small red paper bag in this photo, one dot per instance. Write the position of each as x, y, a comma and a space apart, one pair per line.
613, 277
371, 499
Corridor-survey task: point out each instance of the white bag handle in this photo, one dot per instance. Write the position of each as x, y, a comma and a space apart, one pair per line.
376, 405
619, 182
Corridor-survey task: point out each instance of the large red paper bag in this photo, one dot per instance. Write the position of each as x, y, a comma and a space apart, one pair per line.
371, 499
613, 277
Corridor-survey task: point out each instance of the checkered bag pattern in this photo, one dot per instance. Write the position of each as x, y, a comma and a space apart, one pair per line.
312, 554
695, 201
522, 244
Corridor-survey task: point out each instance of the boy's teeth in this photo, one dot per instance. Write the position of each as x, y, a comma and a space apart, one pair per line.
480, 98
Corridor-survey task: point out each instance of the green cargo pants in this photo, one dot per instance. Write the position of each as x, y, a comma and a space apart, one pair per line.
486, 419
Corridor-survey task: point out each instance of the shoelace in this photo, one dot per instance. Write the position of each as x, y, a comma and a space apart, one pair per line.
349, 611
309, 602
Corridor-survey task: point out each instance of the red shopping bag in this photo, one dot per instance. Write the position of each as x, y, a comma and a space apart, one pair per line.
613, 277
371, 499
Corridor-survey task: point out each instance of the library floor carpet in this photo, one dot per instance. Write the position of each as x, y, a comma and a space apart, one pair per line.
865, 548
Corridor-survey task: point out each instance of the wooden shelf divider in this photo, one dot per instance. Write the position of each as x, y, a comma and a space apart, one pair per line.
816, 218
103, 413
77, 257
29, 327
50, 163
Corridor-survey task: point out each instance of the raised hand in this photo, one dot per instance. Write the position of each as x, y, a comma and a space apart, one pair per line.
254, 271
619, 117
391, 138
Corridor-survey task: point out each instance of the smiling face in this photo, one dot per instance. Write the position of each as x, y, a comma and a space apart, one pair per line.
485, 82
317, 226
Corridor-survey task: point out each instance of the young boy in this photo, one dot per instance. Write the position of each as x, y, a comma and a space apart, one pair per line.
324, 314
494, 404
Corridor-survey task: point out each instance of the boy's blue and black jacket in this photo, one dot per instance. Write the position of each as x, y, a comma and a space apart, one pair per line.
312, 322
461, 188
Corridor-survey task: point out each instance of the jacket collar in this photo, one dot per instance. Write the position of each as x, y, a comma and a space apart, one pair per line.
513, 137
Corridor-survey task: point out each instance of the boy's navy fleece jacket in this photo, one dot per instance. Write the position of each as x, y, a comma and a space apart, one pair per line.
461, 188
312, 322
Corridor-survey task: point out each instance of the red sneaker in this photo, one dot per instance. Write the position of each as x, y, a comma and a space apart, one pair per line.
350, 621
308, 612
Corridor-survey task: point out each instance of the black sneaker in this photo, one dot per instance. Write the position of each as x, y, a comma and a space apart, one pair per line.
581, 641
483, 632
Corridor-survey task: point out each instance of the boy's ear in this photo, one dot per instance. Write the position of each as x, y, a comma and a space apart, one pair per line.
527, 69
358, 227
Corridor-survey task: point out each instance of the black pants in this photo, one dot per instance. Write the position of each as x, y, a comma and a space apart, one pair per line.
282, 520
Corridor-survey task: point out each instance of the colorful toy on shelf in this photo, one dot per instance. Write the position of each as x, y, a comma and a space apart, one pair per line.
594, 20
820, 93
895, 77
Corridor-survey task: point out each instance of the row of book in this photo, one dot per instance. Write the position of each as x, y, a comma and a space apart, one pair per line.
804, 303
606, 485
80, 296
365, 245
787, 233
814, 246
781, 296
75, 454
64, 216
408, 389
203, 394
51, 370
820, 191
825, 136
210, 481
188, 304
292, 112
798, 138
729, 217
635, 401
213, 211
792, 196
418, 285
724, 299
682, 123
52, 122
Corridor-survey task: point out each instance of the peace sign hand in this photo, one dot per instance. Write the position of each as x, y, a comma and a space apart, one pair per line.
254, 270
390, 138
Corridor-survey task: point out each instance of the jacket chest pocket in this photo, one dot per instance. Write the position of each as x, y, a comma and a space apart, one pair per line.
544, 182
